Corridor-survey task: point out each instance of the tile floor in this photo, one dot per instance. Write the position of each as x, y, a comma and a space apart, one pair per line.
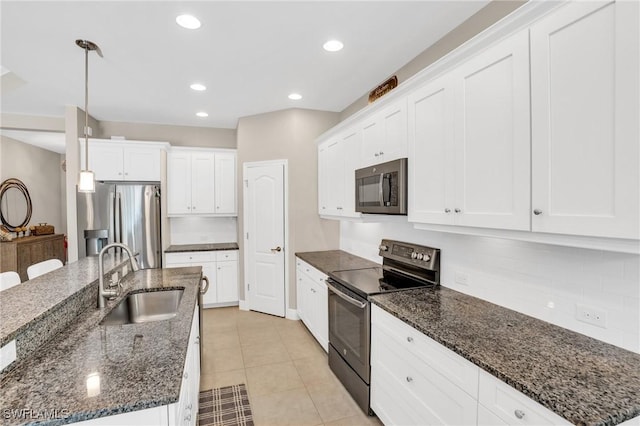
285, 369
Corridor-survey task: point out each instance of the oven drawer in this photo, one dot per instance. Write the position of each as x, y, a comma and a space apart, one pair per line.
429, 395
451, 365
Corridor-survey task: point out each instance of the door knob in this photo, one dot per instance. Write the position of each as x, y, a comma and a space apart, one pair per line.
277, 249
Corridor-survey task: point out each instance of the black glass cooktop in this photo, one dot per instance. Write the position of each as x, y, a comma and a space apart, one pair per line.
370, 281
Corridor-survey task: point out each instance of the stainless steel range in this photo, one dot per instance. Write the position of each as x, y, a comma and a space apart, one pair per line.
404, 266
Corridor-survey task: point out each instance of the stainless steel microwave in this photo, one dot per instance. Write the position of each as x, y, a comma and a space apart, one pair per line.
382, 189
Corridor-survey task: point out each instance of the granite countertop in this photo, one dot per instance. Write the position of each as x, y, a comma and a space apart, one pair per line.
582, 379
181, 248
335, 260
139, 365
47, 291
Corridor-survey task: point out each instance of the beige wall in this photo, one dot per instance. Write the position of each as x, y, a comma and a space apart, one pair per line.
32, 122
483, 19
40, 171
290, 135
208, 137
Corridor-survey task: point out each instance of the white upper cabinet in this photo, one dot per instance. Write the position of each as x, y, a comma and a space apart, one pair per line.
124, 161
338, 159
469, 142
201, 182
430, 165
584, 82
384, 135
492, 137
225, 175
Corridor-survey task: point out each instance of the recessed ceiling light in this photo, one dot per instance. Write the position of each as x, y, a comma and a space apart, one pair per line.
333, 45
198, 87
188, 21
202, 114
295, 96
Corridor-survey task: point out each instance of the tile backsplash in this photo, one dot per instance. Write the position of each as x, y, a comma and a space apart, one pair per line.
544, 281
203, 230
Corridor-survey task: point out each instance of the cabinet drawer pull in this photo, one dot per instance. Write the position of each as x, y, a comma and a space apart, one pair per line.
409, 339
409, 379
519, 413
537, 212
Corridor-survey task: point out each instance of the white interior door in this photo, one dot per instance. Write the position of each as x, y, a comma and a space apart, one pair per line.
264, 238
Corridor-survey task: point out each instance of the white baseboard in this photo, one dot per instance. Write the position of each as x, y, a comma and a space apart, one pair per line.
243, 305
218, 305
292, 314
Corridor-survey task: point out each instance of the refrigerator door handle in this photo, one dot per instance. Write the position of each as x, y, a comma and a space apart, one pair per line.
118, 218
112, 217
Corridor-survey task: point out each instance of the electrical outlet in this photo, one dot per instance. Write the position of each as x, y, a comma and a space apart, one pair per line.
591, 315
462, 278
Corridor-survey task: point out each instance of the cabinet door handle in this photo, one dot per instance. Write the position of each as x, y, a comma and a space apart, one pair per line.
537, 212
447, 210
381, 153
519, 413
457, 210
186, 375
409, 379
376, 154
194, 207
188, 418
409, 339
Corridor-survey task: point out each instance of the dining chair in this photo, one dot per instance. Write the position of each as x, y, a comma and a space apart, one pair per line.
9, 279
41, 268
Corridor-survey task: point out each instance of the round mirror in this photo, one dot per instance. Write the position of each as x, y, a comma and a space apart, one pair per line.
15, 204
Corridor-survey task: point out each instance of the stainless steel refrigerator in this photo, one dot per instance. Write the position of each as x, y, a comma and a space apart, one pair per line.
121, 212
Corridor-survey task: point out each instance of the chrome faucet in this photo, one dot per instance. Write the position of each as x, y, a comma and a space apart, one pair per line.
102, 293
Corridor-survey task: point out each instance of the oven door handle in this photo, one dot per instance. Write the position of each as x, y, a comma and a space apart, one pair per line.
346, 298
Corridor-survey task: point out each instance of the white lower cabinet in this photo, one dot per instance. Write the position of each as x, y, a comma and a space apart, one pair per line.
312, 298
417, 381
220, 267
433, 385
185, 411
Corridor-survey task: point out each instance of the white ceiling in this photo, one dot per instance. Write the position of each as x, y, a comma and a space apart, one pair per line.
250, 55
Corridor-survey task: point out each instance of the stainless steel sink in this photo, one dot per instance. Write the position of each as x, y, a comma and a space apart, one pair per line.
145, 306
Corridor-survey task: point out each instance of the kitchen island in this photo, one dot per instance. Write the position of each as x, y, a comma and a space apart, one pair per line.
88, 371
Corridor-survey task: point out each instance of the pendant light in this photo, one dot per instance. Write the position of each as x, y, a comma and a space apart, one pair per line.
87, 181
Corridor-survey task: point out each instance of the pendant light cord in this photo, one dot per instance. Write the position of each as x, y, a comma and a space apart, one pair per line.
86, 107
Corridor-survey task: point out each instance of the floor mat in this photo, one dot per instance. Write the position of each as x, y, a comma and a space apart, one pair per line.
227, 406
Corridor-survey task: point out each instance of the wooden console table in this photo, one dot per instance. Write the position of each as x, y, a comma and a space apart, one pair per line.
19, 254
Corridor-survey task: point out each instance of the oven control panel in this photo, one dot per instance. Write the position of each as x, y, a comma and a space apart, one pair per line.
414, 254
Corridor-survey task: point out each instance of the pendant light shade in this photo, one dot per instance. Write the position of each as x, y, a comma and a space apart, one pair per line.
86, 182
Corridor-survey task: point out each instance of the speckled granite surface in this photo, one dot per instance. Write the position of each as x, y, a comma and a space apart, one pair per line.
181, 248
335, 260
34, 299
584, 380
139, 365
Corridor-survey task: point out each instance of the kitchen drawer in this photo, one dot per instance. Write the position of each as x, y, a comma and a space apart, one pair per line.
309, 270
457, 369
430, 393
191, 257
389, 405
512, 406
226, 255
